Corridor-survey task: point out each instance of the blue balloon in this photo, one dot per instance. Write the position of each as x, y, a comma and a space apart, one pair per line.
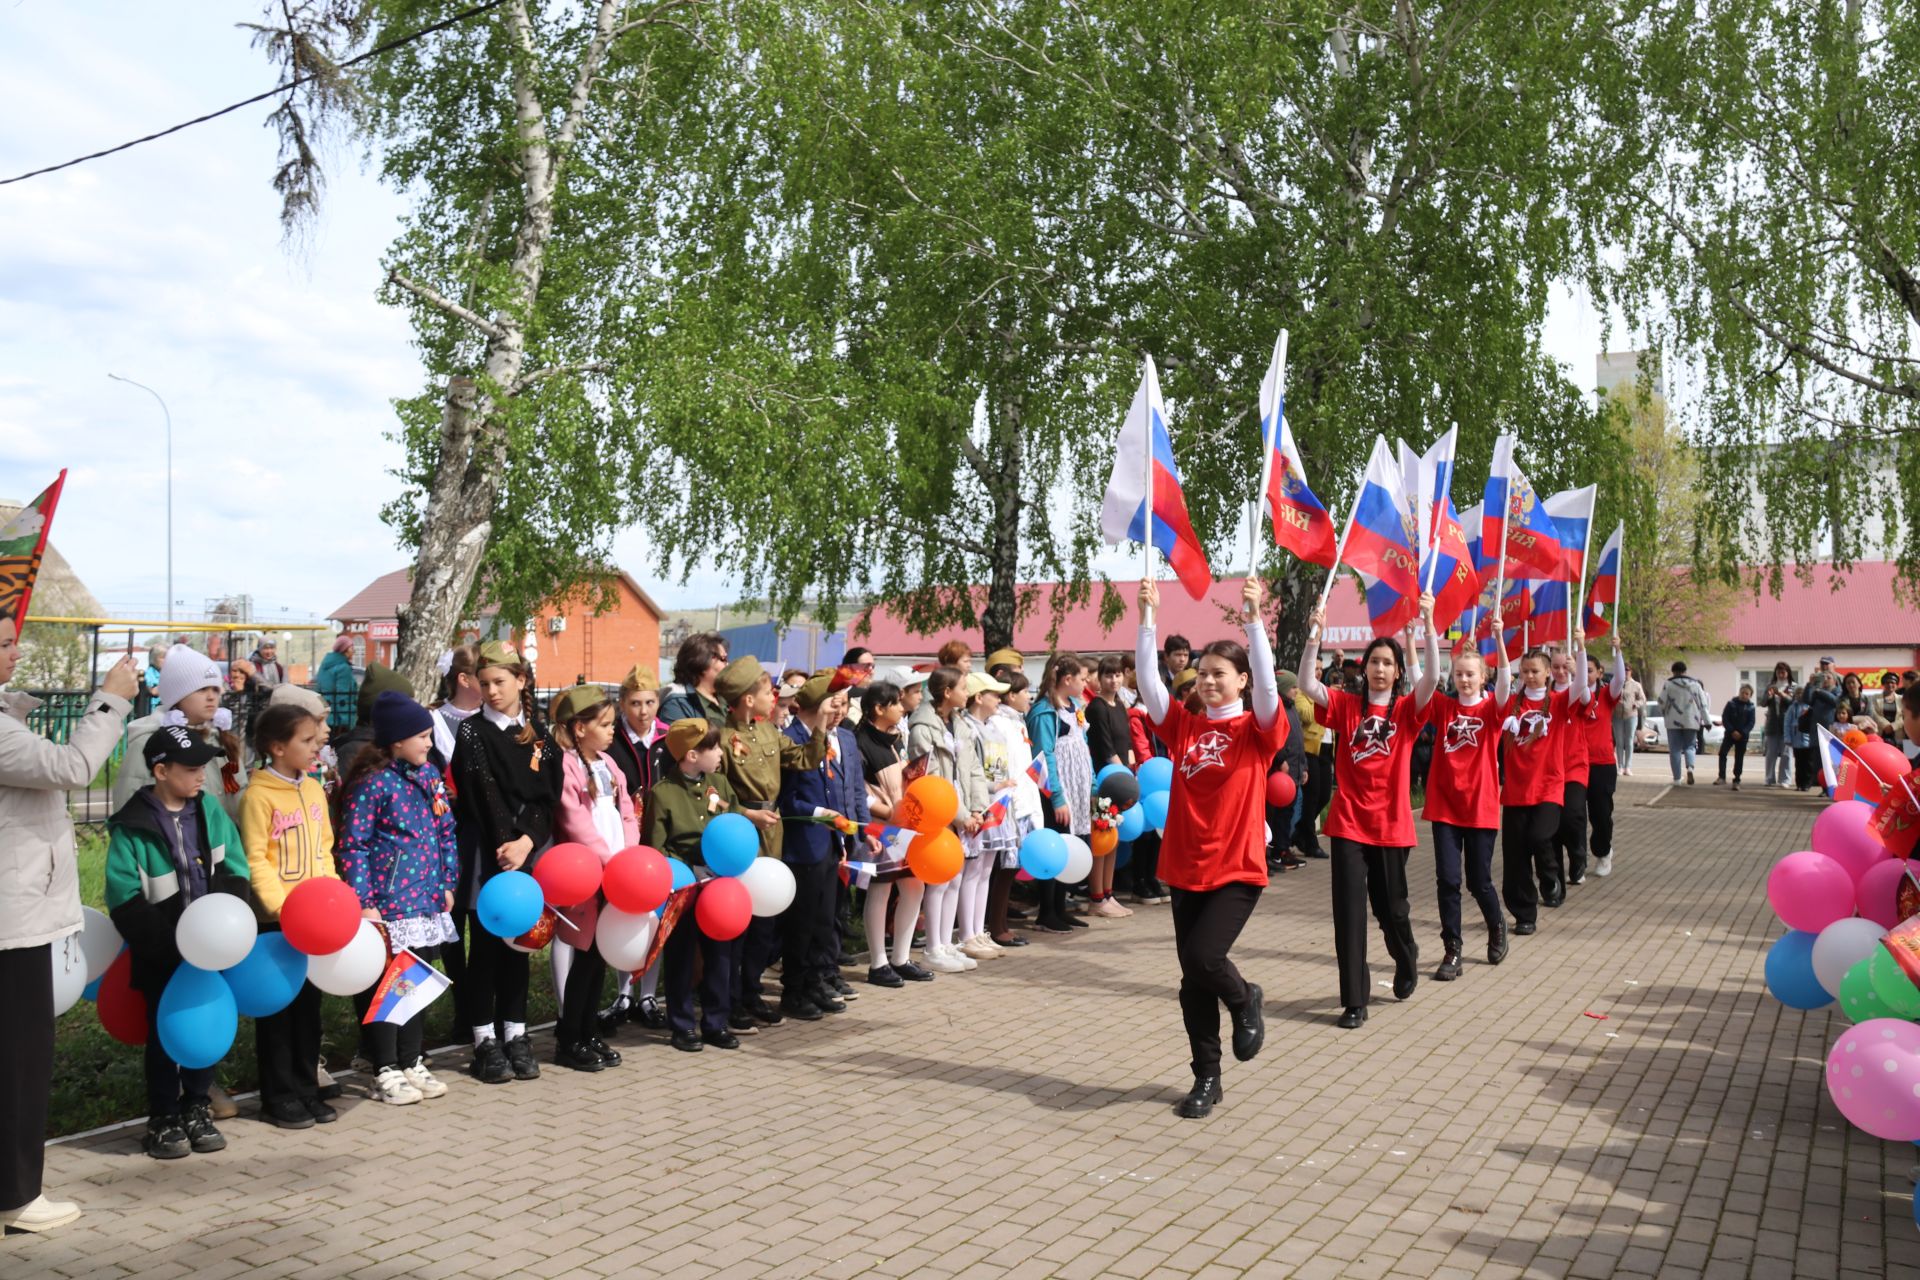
1790, 975
92, 990
1154, 806
729, 844
1155, 775
682, 873
1132, 824
1123, 855
509, 904
1043, 854
197, 1018
1106, 773
268, 977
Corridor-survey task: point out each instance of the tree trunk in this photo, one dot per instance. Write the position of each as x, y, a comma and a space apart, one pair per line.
1003, 539
453, 538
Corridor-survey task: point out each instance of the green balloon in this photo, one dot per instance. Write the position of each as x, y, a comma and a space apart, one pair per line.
1892, 985
1858, 1000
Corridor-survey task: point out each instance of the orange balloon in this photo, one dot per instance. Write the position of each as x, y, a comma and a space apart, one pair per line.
1853, 737
1103, 841
936, 856
929, 804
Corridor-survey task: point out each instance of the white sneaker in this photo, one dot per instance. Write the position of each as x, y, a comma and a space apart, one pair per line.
40, 1214
940, 961
422, 1080
986, 940
972, 949
393, 1088
1603, 866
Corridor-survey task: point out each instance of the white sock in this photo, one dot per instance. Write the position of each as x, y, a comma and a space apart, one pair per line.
908, 894
562, 963
481, 1035
516, 1030
626, 986
875, 918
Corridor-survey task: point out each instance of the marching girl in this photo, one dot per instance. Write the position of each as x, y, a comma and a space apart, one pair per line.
1603, 775
1059, 732
1213, 856
1370, 821
505, 777
1463, 797
1534, 783
1009, 728
1570, 841
932, 739
596, 811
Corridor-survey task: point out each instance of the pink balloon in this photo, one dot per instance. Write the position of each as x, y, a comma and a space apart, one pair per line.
1841, 833
1809, 891
1879, 892
1873, 1075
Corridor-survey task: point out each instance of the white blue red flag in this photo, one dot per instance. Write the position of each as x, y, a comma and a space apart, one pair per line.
1123, 511
408, 986
1531, 536
1381, 543
1595, 621
1301, 522
1547, 619
1572, 513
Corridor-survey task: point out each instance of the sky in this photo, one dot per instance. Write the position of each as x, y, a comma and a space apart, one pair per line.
166, 265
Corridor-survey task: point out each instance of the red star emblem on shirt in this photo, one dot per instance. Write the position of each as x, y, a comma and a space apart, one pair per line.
1463, 733
1373, 737
1210, 748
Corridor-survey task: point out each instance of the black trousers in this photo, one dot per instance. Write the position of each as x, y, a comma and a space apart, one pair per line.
811, 947
389, 1044
580, 1001
1806, 768
286, 1048
1526, 846
1280, 822
717, 961
1470, 849
1739, 752
496, 980
1602, 781
1366, 874
758, 946
1319, 791
171, 1088
1146, 864
26, 1068
453, 960
1205, 925
1570, 838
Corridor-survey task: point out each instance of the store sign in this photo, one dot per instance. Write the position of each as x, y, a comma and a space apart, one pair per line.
388, 630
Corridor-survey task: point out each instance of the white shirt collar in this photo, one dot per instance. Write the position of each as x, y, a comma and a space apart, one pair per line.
500, 721
1227, 712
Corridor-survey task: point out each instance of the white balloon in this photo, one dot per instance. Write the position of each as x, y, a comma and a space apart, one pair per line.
1842, 945
770, 885
100, 941
354, 967
1079, 861
69, 973
623, 937
216, 932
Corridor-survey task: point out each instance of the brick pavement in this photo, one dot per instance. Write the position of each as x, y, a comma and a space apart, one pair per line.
1017, 1122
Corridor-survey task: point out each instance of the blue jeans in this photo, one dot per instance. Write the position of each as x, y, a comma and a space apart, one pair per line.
1681, 744
1476, 843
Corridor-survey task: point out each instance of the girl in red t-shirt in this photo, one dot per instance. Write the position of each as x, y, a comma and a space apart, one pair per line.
1213, 853
1570, 841
1370, 821
1463, 798
1603, 774
1535, 733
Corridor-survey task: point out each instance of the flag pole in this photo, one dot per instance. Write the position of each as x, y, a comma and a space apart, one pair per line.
1340, 552
1578, 619
1146, 525
1268, 433
1500, 575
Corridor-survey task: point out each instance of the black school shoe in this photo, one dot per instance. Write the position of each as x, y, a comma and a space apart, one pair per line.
1404, 983
1249, 1029
201, 1135
1352, 1016
287, 1113
720, 1039
578, 1057
648, 1012
1525, 928
685, 1041
520, 1059
800, 1009
609, 1056
763, 1013
884, 976
913, 972
320, 1111
1497, 944
824, 999
490, 1065
166, 1139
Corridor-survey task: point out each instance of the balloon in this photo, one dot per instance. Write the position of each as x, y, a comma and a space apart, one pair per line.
1104, 841
1043, 854
1155, 775
1133, 824
1281, 789
1878, 893
1809, 890
1154, 806
682, 875
1790, 973
1124, 857
1121, 788
1892, 985
215, 932
624, 937
1112, 770
354, 967
937, 856
1842, 945
197, 1018
568, 874
1079, 861
320, 915
1873, 1074
69, 973
1841, 833
637, 880
723, 908
508, 905
91, 991
770, 885
100, 941
1858, 999
536, 938
1887, 762
122, 1006
1853, 737
729, 844
929, 804
267, 979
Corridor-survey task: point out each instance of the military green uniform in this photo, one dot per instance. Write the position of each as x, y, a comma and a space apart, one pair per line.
680, 809
752, 755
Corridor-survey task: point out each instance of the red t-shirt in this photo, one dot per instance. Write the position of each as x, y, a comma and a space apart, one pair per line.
1600, 727
1534, 769
1463, 788
1371, 793
1573, 743
1216, 816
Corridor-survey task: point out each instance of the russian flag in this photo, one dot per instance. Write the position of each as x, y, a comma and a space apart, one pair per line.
1572, 513
1301, 522
409, 985
1123, 511
1547, 619
1380, 543
1606, 587
1833, 757
1532, 537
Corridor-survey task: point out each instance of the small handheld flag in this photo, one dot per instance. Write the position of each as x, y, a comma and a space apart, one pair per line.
1144, 501
408, 986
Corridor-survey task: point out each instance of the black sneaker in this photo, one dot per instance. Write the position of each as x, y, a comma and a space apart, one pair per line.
320, 1111
913, 972
884, 976
166, 1140
843, 988
742, 1021
608, 1054
763, 1013
825, 1000
198, 1122
520, 1058
720, 1039
648, 1013
685, 1041
800, 1009
1449, 967
577, 1057
489, 1064
287, 1113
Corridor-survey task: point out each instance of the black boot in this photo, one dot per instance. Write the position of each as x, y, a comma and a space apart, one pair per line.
1351, 1016
1497, 943
1404, 981
1449, 966
1198, 1104
1249, 1026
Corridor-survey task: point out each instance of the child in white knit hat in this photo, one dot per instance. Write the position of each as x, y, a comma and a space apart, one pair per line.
188, 694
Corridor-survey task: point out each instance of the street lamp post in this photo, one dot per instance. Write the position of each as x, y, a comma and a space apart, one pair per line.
169, 417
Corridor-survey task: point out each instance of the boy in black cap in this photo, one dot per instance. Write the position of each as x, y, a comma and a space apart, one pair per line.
170, 844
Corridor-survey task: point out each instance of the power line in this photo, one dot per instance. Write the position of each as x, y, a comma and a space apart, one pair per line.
278, 89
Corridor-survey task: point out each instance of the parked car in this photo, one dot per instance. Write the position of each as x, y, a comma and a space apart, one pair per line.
1654, 736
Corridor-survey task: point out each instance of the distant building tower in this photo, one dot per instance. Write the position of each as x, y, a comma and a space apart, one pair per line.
1615, 372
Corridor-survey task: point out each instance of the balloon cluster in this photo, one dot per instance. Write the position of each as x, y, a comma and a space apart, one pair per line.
1125, 805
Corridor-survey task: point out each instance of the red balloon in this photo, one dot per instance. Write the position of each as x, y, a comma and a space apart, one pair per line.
637, 880
1281, 789
723, 908
1889, 764
568, 874
320, 916
123, 1010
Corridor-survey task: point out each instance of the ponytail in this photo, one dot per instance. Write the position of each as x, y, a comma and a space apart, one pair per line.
528, 735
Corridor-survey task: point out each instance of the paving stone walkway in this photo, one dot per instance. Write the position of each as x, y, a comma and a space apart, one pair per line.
1620, 1098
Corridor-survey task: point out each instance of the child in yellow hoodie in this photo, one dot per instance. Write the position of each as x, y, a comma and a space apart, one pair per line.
289, 839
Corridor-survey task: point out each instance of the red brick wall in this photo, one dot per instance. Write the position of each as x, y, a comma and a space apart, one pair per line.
628, 634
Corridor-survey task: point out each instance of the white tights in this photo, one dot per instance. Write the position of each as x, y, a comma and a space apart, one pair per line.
973, 895
942, 907
906, 895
